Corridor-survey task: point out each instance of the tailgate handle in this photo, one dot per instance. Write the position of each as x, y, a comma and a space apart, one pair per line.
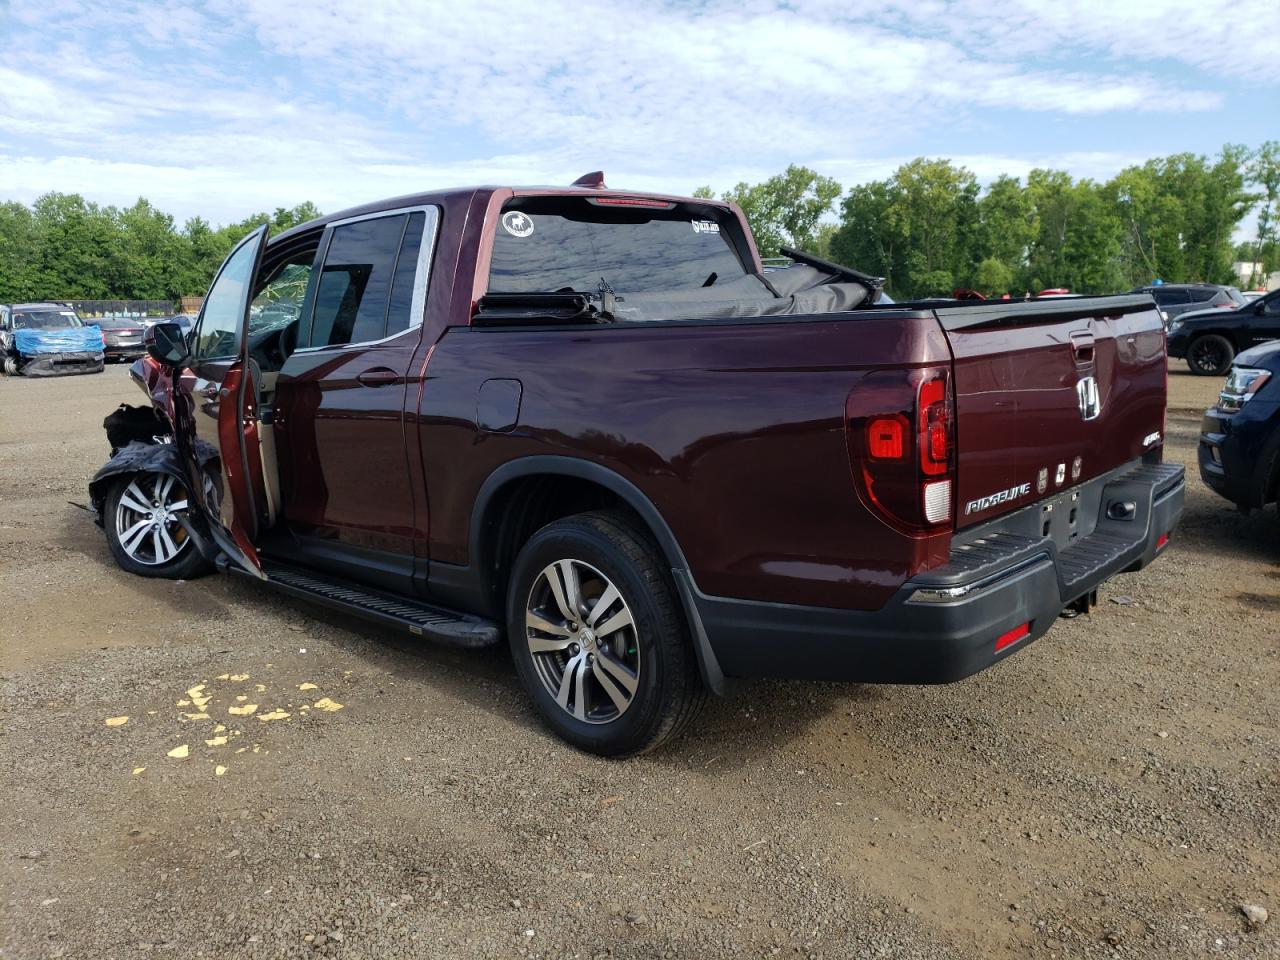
1082, 346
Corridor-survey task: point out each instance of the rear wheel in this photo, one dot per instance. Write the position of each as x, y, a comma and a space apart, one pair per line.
143, 515
598, 636
1210, 355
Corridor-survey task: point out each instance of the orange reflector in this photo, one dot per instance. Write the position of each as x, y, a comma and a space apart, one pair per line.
1013, 636
1164, 538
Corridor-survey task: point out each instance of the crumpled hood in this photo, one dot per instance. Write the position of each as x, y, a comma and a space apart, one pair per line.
33, 343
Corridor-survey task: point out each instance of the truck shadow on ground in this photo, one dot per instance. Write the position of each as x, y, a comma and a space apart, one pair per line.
780, 713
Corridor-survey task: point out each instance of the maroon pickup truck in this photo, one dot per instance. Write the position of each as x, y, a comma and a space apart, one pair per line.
591, 422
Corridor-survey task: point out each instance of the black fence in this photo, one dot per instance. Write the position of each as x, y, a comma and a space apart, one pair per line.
96, 309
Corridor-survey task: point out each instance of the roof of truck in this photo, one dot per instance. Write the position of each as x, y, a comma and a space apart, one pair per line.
455, 193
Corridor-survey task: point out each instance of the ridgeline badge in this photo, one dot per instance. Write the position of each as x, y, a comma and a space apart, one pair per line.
1004, 496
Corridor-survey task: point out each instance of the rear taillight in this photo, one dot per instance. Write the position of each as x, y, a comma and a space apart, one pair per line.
901, 439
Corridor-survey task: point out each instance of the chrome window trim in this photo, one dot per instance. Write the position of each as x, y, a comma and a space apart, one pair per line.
422, 270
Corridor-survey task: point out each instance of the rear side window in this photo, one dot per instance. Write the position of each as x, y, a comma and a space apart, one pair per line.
544, 245
1169, 297
1203, 294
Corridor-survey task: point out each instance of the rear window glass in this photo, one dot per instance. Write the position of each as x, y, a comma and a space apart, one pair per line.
552, 244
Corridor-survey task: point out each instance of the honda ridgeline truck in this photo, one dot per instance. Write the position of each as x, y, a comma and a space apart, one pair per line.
588, 422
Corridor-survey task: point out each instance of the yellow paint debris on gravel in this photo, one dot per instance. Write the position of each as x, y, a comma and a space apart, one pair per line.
138, 770
197, 716
116, 721
219, 771
307, 686
242, 711
239, 677
327, 705
196, 691
260, 687
220, 728
180, 752
215, 741
223, 676
273, 715
183, 703
241, 697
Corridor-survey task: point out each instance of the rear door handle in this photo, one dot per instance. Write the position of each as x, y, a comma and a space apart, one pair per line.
378, 377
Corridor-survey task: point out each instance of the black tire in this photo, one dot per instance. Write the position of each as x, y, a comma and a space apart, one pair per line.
185, 565
1210, 355
668, 690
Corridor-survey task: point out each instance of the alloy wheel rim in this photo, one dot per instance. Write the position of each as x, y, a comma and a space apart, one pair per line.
583, 641
149, 522
1207, 357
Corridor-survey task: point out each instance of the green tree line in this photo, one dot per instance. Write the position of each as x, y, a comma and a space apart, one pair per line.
931, 227
928, 228
64, 247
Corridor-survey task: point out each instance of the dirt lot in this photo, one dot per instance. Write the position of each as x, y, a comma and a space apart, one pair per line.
1113, 790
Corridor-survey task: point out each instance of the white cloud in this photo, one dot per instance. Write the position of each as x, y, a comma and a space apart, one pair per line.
224, 112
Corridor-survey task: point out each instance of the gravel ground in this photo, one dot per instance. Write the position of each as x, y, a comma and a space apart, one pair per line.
1112, 790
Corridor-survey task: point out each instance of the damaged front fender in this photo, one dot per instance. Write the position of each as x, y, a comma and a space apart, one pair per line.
141, 457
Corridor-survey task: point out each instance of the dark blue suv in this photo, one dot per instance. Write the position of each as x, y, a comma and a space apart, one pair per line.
1240, 437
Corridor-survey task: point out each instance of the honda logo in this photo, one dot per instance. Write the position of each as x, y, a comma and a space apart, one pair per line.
1087, 398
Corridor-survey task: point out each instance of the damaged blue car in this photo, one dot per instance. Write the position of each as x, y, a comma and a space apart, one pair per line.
48, 340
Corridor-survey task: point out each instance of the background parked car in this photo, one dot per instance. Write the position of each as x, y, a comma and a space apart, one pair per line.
1240, 437
122, 337
48, 340
1209, 339
1175, 299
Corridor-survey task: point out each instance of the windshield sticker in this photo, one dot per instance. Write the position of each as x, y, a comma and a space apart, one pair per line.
705, 226
517, 224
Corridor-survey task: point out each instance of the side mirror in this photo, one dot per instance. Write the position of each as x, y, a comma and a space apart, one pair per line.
166, 344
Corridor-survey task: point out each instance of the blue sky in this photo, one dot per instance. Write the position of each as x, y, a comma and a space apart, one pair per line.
225, 109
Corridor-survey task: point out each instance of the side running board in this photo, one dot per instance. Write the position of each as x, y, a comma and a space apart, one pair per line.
420, 619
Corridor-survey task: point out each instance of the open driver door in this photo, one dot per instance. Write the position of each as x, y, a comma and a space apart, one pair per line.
215, 410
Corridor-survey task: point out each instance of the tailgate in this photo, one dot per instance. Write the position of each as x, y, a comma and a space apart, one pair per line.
1050, 394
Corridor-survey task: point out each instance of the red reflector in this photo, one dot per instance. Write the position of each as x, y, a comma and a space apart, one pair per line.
632, 202
1164, 538
1013, 636
886, 438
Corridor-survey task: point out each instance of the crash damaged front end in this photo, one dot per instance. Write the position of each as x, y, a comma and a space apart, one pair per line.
57, 353
60, 364
142, 446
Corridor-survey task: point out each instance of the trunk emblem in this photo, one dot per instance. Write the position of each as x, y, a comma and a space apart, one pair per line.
1060, 475
1042, 480
1088, 398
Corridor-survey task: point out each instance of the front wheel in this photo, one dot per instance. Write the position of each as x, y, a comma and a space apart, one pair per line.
1210, 355
142, 515
598, 636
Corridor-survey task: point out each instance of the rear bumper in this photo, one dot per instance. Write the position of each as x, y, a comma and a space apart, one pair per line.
124, 351
944, 625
